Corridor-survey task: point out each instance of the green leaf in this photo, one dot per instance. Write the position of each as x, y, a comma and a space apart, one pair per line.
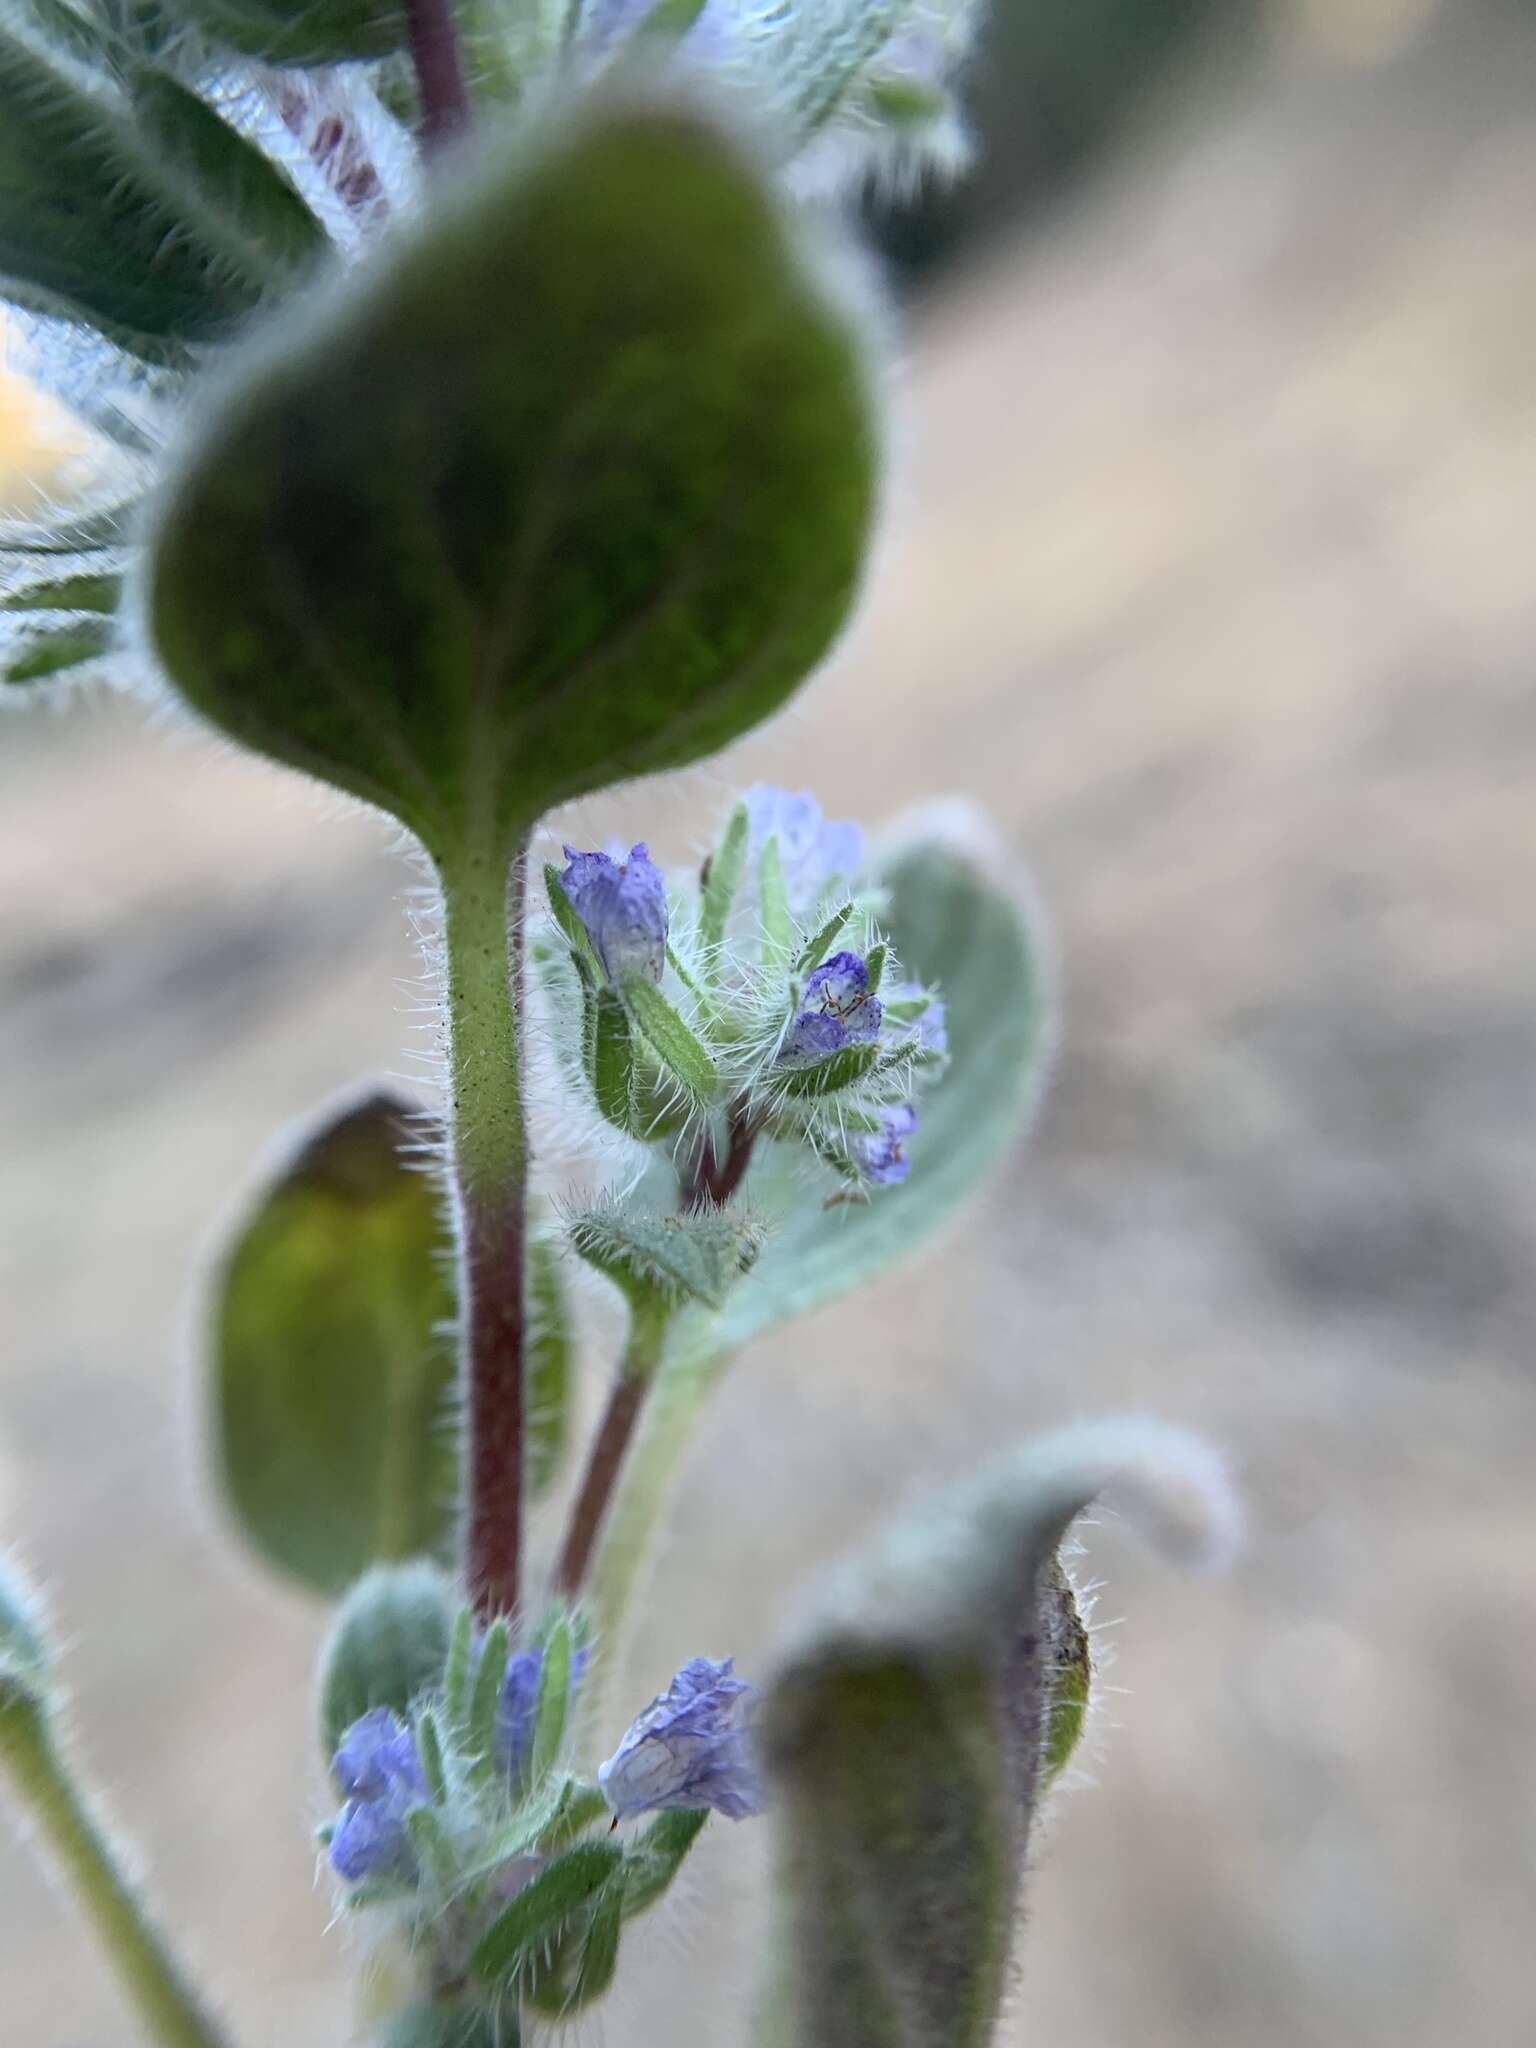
599, 1951
816, 948
553, 1701
84, 591
951, 925
41, 654
303, 32
547, 1360
841, 1069
332, 1376
97, 226
908, 1735
658, 1856
580, 1805
456, 1672
697, 1256
613, 1060
429, 1744
386, 1648
606, 499
479, 1725
233, 175
773, 900
542, 1908
679, 1051
726, 866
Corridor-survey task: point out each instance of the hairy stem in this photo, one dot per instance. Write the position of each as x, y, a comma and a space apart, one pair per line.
716, 1176
169, 2004
647, 1335
484, 916
438, 62
678, 1393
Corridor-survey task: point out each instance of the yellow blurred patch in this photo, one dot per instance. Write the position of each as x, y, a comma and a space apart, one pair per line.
37, 438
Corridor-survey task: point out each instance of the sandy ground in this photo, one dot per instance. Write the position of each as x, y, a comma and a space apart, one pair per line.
1209, 572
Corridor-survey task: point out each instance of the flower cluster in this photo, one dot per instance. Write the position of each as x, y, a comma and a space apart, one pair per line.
690, 1749
756, 1005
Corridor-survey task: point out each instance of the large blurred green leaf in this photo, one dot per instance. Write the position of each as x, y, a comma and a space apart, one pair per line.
911, 1728
577, 488
332, 1368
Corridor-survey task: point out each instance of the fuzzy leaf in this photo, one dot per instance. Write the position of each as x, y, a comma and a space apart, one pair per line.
86, 590
698, 1256
658, 1856
537, 1914
233, 175
332, 1373
726, 867
303, 32
908, 1735
96, 226
43, 653
679, 1051
386, 1648
603, 506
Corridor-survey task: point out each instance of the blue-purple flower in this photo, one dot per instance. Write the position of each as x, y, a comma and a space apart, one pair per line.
690, 1748
623, 905
812, 850
836, 1009
880, 1154
379, 1775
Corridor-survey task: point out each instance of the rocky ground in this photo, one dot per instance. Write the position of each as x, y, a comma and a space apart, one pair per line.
1209, 571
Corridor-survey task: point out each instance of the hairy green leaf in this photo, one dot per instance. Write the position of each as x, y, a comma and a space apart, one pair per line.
97, 225
386, 1648
303, 32
576, 487
331, 1367
911, 1729
525, 1926
698, 1256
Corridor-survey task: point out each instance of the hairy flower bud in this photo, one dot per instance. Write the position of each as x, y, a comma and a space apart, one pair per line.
379, 1774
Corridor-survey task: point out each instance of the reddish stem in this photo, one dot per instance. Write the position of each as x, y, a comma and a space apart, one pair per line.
598, 1481
433, 36
493, 1272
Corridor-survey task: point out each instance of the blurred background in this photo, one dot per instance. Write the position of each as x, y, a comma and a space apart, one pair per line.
1210, 572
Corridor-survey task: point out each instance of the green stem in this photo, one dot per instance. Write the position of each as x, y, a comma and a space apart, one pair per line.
680, 1388
648, 1321
170, 2006
483, 917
